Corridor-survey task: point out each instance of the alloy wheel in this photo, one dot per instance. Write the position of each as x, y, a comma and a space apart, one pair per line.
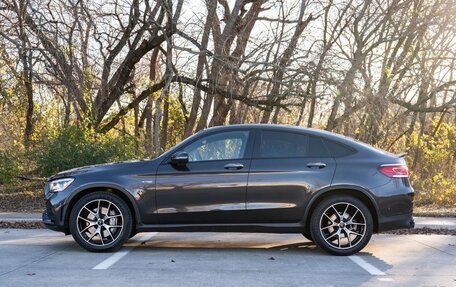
100, 222
343, 225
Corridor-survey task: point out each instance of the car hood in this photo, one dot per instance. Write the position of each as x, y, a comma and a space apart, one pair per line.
105, 167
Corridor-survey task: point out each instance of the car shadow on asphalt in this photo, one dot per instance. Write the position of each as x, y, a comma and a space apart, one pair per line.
244, 242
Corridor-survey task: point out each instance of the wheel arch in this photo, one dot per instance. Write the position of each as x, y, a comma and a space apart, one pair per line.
355, 191
117, 190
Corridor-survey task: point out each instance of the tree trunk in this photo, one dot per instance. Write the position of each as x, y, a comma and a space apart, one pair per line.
202, 123
136, 129
164, 131
26, 59
29, 123
310, 119
275, 118
148, 141
221, 109
202, 61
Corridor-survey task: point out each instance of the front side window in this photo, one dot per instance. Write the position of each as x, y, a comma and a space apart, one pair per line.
289, 145
221, 146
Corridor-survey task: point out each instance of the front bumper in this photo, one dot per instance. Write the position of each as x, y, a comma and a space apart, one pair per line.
50, 221
53, 214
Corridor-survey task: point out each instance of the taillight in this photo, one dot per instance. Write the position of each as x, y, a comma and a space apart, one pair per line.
394, 170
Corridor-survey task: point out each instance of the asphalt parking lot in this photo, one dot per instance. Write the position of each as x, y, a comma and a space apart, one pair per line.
45, 258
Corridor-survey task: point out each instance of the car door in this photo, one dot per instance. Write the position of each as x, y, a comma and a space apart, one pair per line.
286, 168
211, 187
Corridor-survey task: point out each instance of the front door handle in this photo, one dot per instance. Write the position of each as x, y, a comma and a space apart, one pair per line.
234, 166
316, 165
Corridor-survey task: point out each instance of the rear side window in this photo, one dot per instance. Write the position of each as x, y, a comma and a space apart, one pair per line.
275, 144
337, 149
317, 148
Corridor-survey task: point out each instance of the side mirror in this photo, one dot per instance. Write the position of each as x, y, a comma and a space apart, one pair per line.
179, 158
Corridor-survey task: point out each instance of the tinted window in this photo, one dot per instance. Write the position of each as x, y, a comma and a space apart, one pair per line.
221, 146
282, 144
317, 148
337, 149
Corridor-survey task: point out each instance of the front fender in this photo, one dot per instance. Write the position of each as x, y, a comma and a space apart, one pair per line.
99, 186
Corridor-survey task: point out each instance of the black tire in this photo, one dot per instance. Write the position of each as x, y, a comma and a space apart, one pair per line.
352, 227
307, 235
133, 233
113, 223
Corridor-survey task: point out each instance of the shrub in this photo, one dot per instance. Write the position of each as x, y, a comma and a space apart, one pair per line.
9, 167
434, 177
435, 189
74, 147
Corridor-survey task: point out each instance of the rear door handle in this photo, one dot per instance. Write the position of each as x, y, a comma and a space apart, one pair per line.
234, 166
316, 165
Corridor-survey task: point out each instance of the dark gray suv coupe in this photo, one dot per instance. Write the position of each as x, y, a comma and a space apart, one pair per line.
240, 178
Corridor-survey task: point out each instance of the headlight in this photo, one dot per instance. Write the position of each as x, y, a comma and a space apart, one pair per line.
60, 184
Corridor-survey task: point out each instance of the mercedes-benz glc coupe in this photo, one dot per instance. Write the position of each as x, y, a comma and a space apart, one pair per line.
334, 190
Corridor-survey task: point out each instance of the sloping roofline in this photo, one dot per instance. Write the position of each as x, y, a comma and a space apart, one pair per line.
351, 142
358, 145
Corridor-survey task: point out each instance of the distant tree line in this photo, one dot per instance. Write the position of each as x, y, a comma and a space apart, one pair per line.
380, 71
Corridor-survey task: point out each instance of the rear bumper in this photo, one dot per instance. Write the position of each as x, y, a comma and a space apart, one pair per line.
396, 222
395, 205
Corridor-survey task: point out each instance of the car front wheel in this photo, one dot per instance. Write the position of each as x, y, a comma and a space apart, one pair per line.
100, 221
341, 225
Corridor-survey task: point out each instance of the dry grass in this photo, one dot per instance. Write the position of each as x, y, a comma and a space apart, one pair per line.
22, 196
21, 225
435, 211
424, 230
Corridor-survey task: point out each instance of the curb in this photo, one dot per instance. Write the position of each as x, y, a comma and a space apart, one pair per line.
19, 217
435, 222
12, 220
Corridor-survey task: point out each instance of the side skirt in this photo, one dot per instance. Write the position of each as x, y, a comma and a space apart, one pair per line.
262, 228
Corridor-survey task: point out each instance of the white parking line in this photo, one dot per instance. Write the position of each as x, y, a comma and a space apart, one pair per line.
366, 266
385, 279
111, 260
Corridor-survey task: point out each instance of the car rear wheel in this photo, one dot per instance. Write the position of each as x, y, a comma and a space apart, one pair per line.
341, 225
100, 221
